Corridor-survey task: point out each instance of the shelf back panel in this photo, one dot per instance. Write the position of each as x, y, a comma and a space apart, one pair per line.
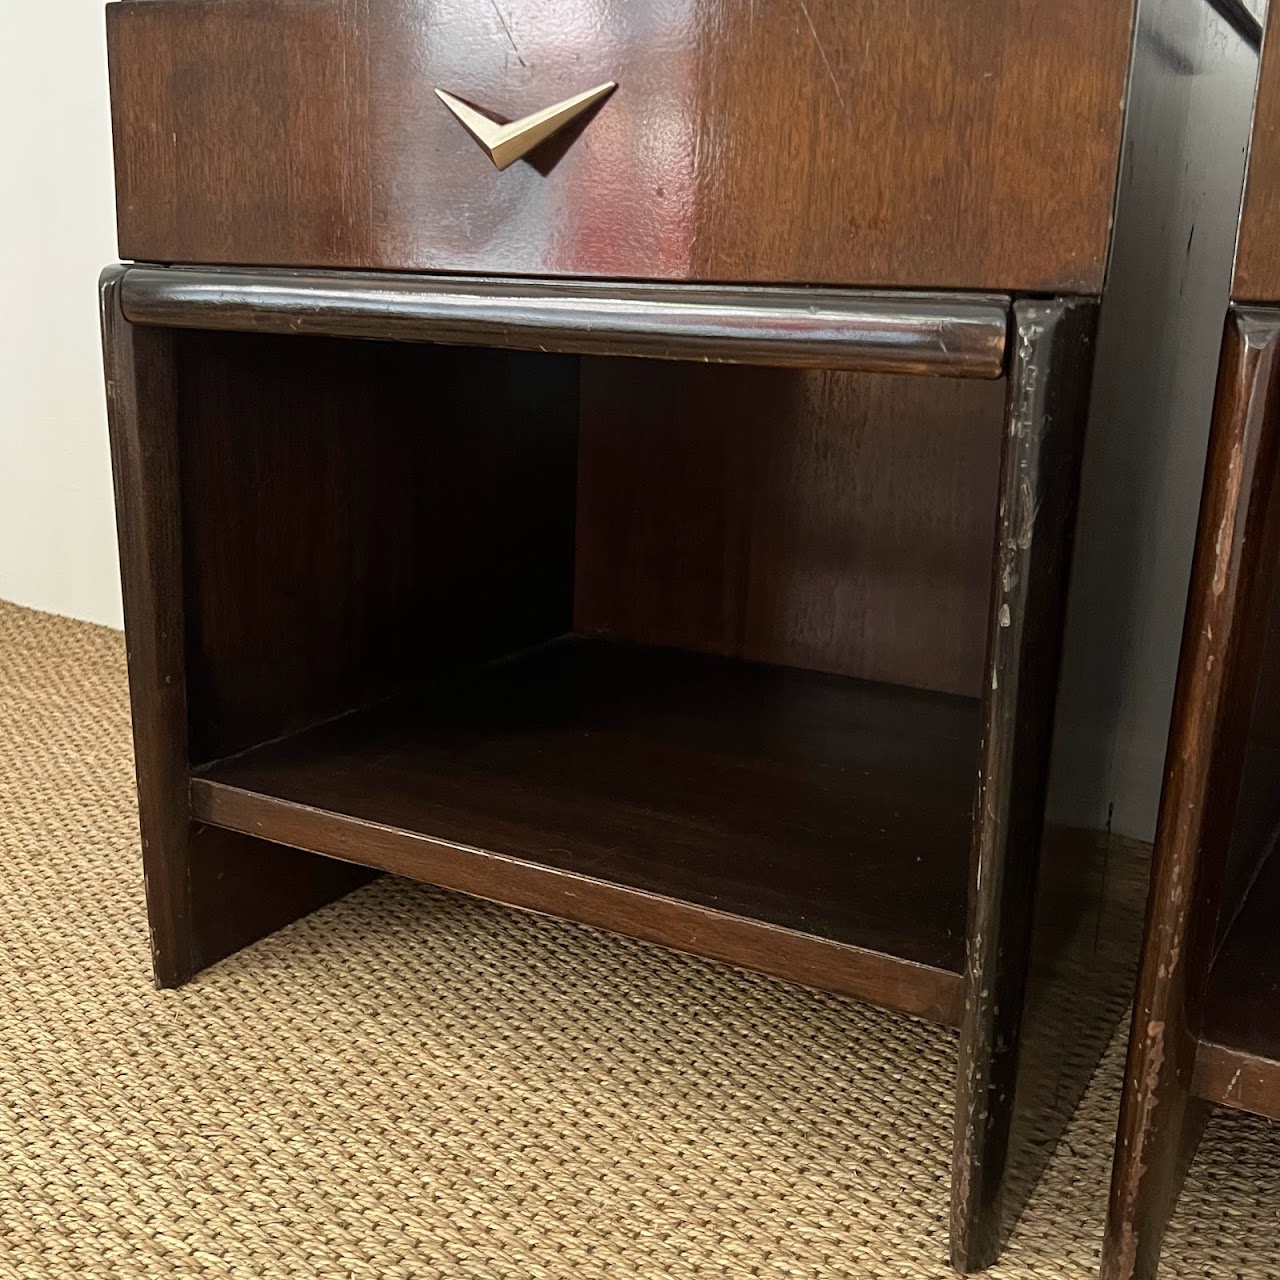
842, 522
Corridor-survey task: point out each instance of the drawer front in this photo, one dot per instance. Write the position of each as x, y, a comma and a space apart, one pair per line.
1257, 277
926, 143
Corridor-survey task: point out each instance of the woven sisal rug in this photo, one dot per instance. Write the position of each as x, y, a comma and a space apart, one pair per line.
411, 1085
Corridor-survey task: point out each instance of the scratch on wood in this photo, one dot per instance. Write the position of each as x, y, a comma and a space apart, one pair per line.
507, 29
1030, 513
1222, 547
831, 75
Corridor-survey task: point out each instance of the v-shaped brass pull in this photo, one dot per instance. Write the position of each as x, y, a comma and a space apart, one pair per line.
504, 144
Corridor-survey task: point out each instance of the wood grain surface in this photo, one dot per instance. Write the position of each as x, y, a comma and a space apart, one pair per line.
935, 144
1238, 1062
1257, 275
1160, 1121
952, 335
835, 521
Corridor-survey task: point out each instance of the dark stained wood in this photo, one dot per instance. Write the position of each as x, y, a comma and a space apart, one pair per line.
873, 976
241, 889
958, 336
834, 521
759, 793
1241, 15
1159, 1122
144, 463
898, 528
1238, 1060
1255, 822
190, 928
1237, 1078
1218, 807
272, 484
349, 529
358, 514
1048, 397
1257, 275
936, 146
1160, 331
1091, 890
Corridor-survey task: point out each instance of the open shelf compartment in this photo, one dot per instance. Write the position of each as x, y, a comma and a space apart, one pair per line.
791, 799
692, 652
754, 659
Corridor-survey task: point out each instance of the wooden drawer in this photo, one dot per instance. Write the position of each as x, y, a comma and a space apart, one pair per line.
927, 143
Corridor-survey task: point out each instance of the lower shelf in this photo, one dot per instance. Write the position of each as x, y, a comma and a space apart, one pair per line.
805, 825
1238, 1062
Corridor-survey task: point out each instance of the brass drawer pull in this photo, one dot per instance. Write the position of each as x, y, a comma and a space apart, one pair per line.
504, 144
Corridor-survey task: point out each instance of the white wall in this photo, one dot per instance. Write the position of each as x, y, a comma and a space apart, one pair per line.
57, 231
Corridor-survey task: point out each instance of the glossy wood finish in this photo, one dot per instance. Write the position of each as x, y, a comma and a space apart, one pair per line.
1257, 275
1160, 1121
1047, 404
208, 893
1190, 96
924, 334
1160, 337
834, 521
936, 146
396, 509
759, 793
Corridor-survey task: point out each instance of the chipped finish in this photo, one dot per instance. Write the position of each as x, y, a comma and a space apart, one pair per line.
1047, 404
1160, 1121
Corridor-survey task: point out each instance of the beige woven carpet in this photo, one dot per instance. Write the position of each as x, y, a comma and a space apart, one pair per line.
410, 1084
